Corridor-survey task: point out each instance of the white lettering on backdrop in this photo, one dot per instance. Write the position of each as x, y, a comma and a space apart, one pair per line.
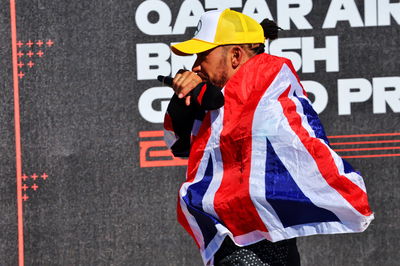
155, 59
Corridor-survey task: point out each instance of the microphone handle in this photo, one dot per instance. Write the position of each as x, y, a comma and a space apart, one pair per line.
212, 98
165, 79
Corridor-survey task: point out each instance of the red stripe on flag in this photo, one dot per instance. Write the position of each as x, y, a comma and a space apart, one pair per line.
199, 143
322, 156
291, 67
232, 201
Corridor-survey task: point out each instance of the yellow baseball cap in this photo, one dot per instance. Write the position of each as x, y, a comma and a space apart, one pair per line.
220, 28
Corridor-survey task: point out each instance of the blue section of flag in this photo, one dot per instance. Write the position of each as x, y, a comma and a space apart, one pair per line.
193, 200
305, 196
312, 118
287, 199
347, 167
315, 123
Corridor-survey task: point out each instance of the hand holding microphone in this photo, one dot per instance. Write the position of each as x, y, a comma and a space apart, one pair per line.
183, 83
190, 85
166, 80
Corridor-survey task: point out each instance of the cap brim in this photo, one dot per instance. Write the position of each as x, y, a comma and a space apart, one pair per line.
192, 46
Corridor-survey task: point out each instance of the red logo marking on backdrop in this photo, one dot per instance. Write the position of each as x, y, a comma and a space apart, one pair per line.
49, 43
25, 197
34, 176
44, 176
24, 177
18, 73
154, 152
17, 129
34, 187
27, 52
371, 146
30, 64
29, 43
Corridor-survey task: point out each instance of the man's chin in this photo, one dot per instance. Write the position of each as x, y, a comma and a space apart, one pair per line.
203, 78
219, 83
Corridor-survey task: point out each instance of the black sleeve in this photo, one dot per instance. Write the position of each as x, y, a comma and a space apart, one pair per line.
204, 97
207, 96
182, 118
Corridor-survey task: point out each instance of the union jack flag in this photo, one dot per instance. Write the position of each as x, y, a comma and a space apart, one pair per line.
261, 166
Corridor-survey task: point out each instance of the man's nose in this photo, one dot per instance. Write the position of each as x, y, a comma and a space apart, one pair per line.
196, 66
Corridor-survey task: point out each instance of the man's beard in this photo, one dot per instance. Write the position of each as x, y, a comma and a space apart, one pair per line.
222, 78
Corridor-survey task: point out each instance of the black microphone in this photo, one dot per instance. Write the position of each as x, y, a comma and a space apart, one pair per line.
212, 98
165, 79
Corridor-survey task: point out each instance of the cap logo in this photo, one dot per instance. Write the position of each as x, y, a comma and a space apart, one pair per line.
198, 28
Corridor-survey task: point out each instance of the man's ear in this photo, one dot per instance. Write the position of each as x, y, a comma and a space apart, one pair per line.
237, 56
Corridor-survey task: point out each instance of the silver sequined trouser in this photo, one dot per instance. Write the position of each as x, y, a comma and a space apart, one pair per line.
265, 253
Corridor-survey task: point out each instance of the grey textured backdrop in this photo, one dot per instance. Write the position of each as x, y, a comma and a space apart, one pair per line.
80, 124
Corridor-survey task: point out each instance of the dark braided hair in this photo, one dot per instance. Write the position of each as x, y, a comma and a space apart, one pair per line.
271, 31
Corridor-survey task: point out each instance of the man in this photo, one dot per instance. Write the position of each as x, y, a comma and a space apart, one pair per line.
260, 170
